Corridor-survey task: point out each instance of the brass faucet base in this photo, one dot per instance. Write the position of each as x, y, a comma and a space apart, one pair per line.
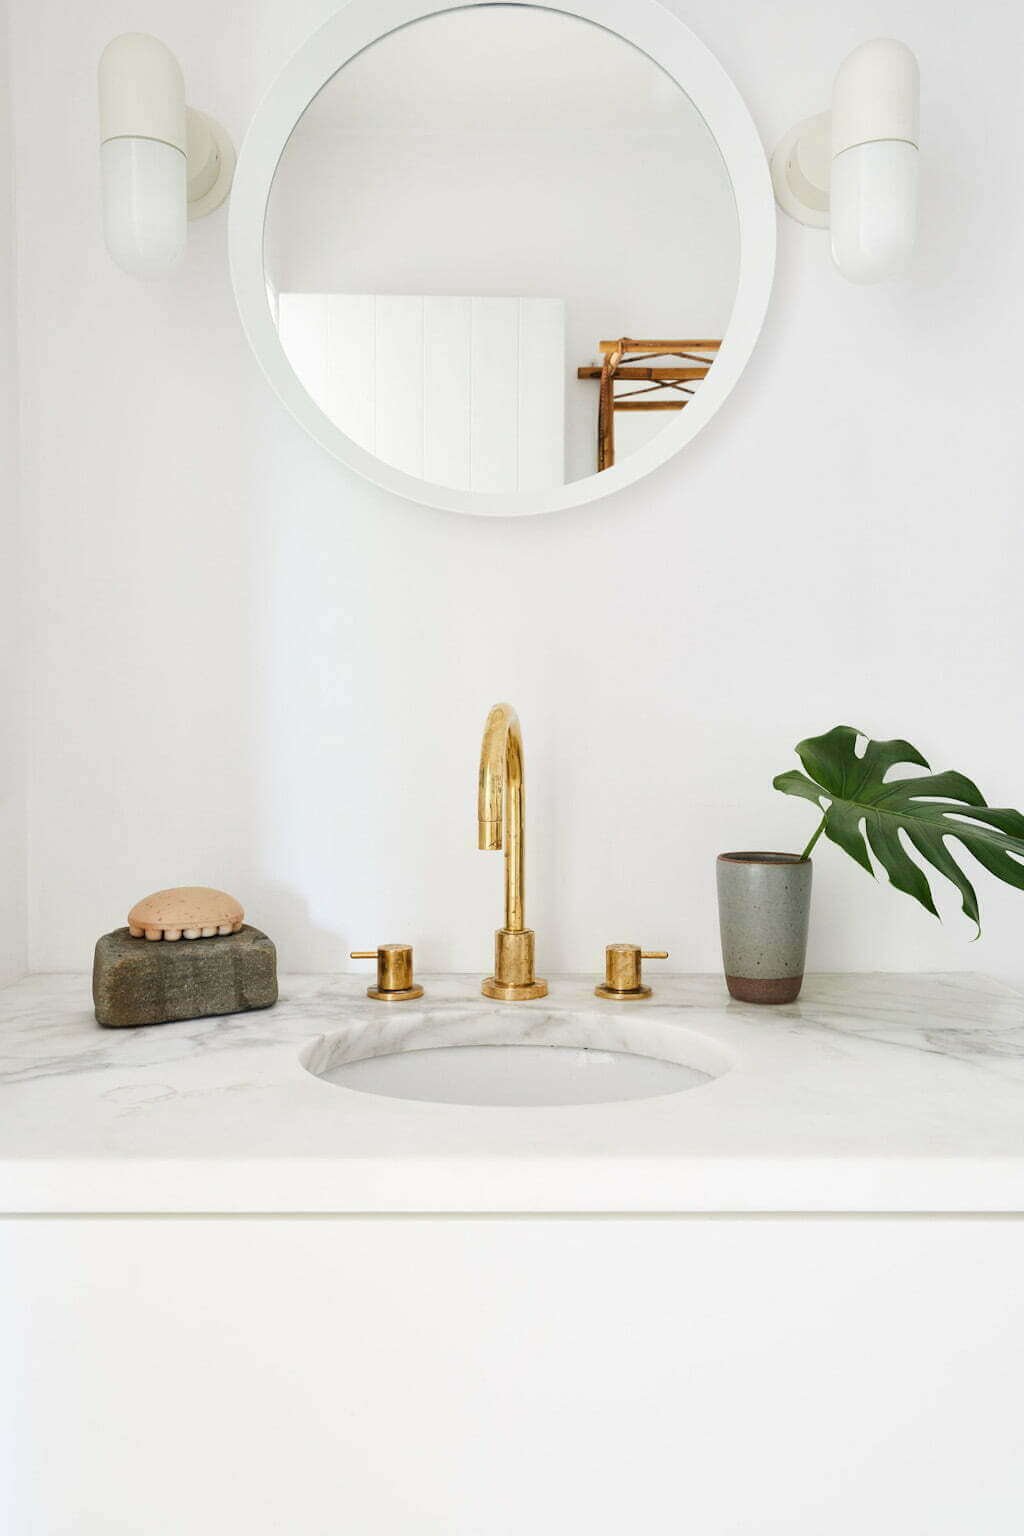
514, 980
514, 991
621, 997
395, 995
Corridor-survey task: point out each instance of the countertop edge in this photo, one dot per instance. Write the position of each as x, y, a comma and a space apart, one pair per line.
590, 1187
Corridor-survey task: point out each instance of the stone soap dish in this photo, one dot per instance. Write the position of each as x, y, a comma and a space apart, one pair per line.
186, 912
231, 970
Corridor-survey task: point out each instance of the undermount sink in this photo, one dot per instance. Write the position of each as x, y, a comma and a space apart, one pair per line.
495, 1057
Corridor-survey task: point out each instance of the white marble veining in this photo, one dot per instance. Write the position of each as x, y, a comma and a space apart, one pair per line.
496, 1055
872, 1093
641, 1031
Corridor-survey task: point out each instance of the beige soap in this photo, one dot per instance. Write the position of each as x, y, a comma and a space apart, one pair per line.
186, 912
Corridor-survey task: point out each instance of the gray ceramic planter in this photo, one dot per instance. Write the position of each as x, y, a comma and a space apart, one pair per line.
764, 902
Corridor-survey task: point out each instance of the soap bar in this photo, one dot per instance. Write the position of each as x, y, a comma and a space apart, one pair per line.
134, 982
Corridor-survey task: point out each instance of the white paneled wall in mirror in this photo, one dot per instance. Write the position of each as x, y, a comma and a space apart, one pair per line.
461, 391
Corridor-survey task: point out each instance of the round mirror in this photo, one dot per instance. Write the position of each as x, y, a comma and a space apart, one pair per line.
503, 258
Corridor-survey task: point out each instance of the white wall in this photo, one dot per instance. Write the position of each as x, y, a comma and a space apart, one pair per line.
251, 669
13, 922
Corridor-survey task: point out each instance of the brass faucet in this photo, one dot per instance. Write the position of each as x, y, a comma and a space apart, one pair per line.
500, 814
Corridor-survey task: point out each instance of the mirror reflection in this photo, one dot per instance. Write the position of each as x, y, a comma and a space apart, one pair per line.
501, 249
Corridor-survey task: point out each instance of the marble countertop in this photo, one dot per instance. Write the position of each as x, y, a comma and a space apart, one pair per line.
872, 1093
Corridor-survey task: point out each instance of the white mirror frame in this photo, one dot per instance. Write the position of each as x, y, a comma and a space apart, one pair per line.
649, 27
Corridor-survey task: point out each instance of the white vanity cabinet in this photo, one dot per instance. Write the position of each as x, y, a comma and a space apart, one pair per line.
467, 1375
237, 1356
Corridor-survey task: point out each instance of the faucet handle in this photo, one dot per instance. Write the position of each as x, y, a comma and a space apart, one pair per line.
394, 972
622, 971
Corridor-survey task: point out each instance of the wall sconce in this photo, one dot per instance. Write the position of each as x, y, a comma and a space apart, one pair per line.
856, 168
162, 162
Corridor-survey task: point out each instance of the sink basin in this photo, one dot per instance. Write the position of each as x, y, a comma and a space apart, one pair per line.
497, 1057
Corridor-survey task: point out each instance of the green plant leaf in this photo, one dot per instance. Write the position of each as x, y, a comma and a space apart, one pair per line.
858, 803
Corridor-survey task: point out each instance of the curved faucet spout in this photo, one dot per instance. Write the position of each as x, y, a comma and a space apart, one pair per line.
501, 804
501, 800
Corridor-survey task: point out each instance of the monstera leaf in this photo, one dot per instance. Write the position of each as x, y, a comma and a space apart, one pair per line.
930, 809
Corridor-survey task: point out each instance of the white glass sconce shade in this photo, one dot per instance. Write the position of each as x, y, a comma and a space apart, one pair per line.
161, 162
856, 169
874, 209
875, 136
142, 153
145, 222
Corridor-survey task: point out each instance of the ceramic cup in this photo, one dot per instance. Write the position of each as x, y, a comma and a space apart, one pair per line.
764, 902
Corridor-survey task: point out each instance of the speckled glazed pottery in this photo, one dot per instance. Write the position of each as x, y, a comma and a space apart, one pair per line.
764, 902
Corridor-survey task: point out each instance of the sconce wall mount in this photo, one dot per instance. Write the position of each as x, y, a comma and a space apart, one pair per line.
854, 170
162, 162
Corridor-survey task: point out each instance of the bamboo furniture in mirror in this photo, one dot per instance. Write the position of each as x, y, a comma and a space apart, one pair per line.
446, 209
668, 370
